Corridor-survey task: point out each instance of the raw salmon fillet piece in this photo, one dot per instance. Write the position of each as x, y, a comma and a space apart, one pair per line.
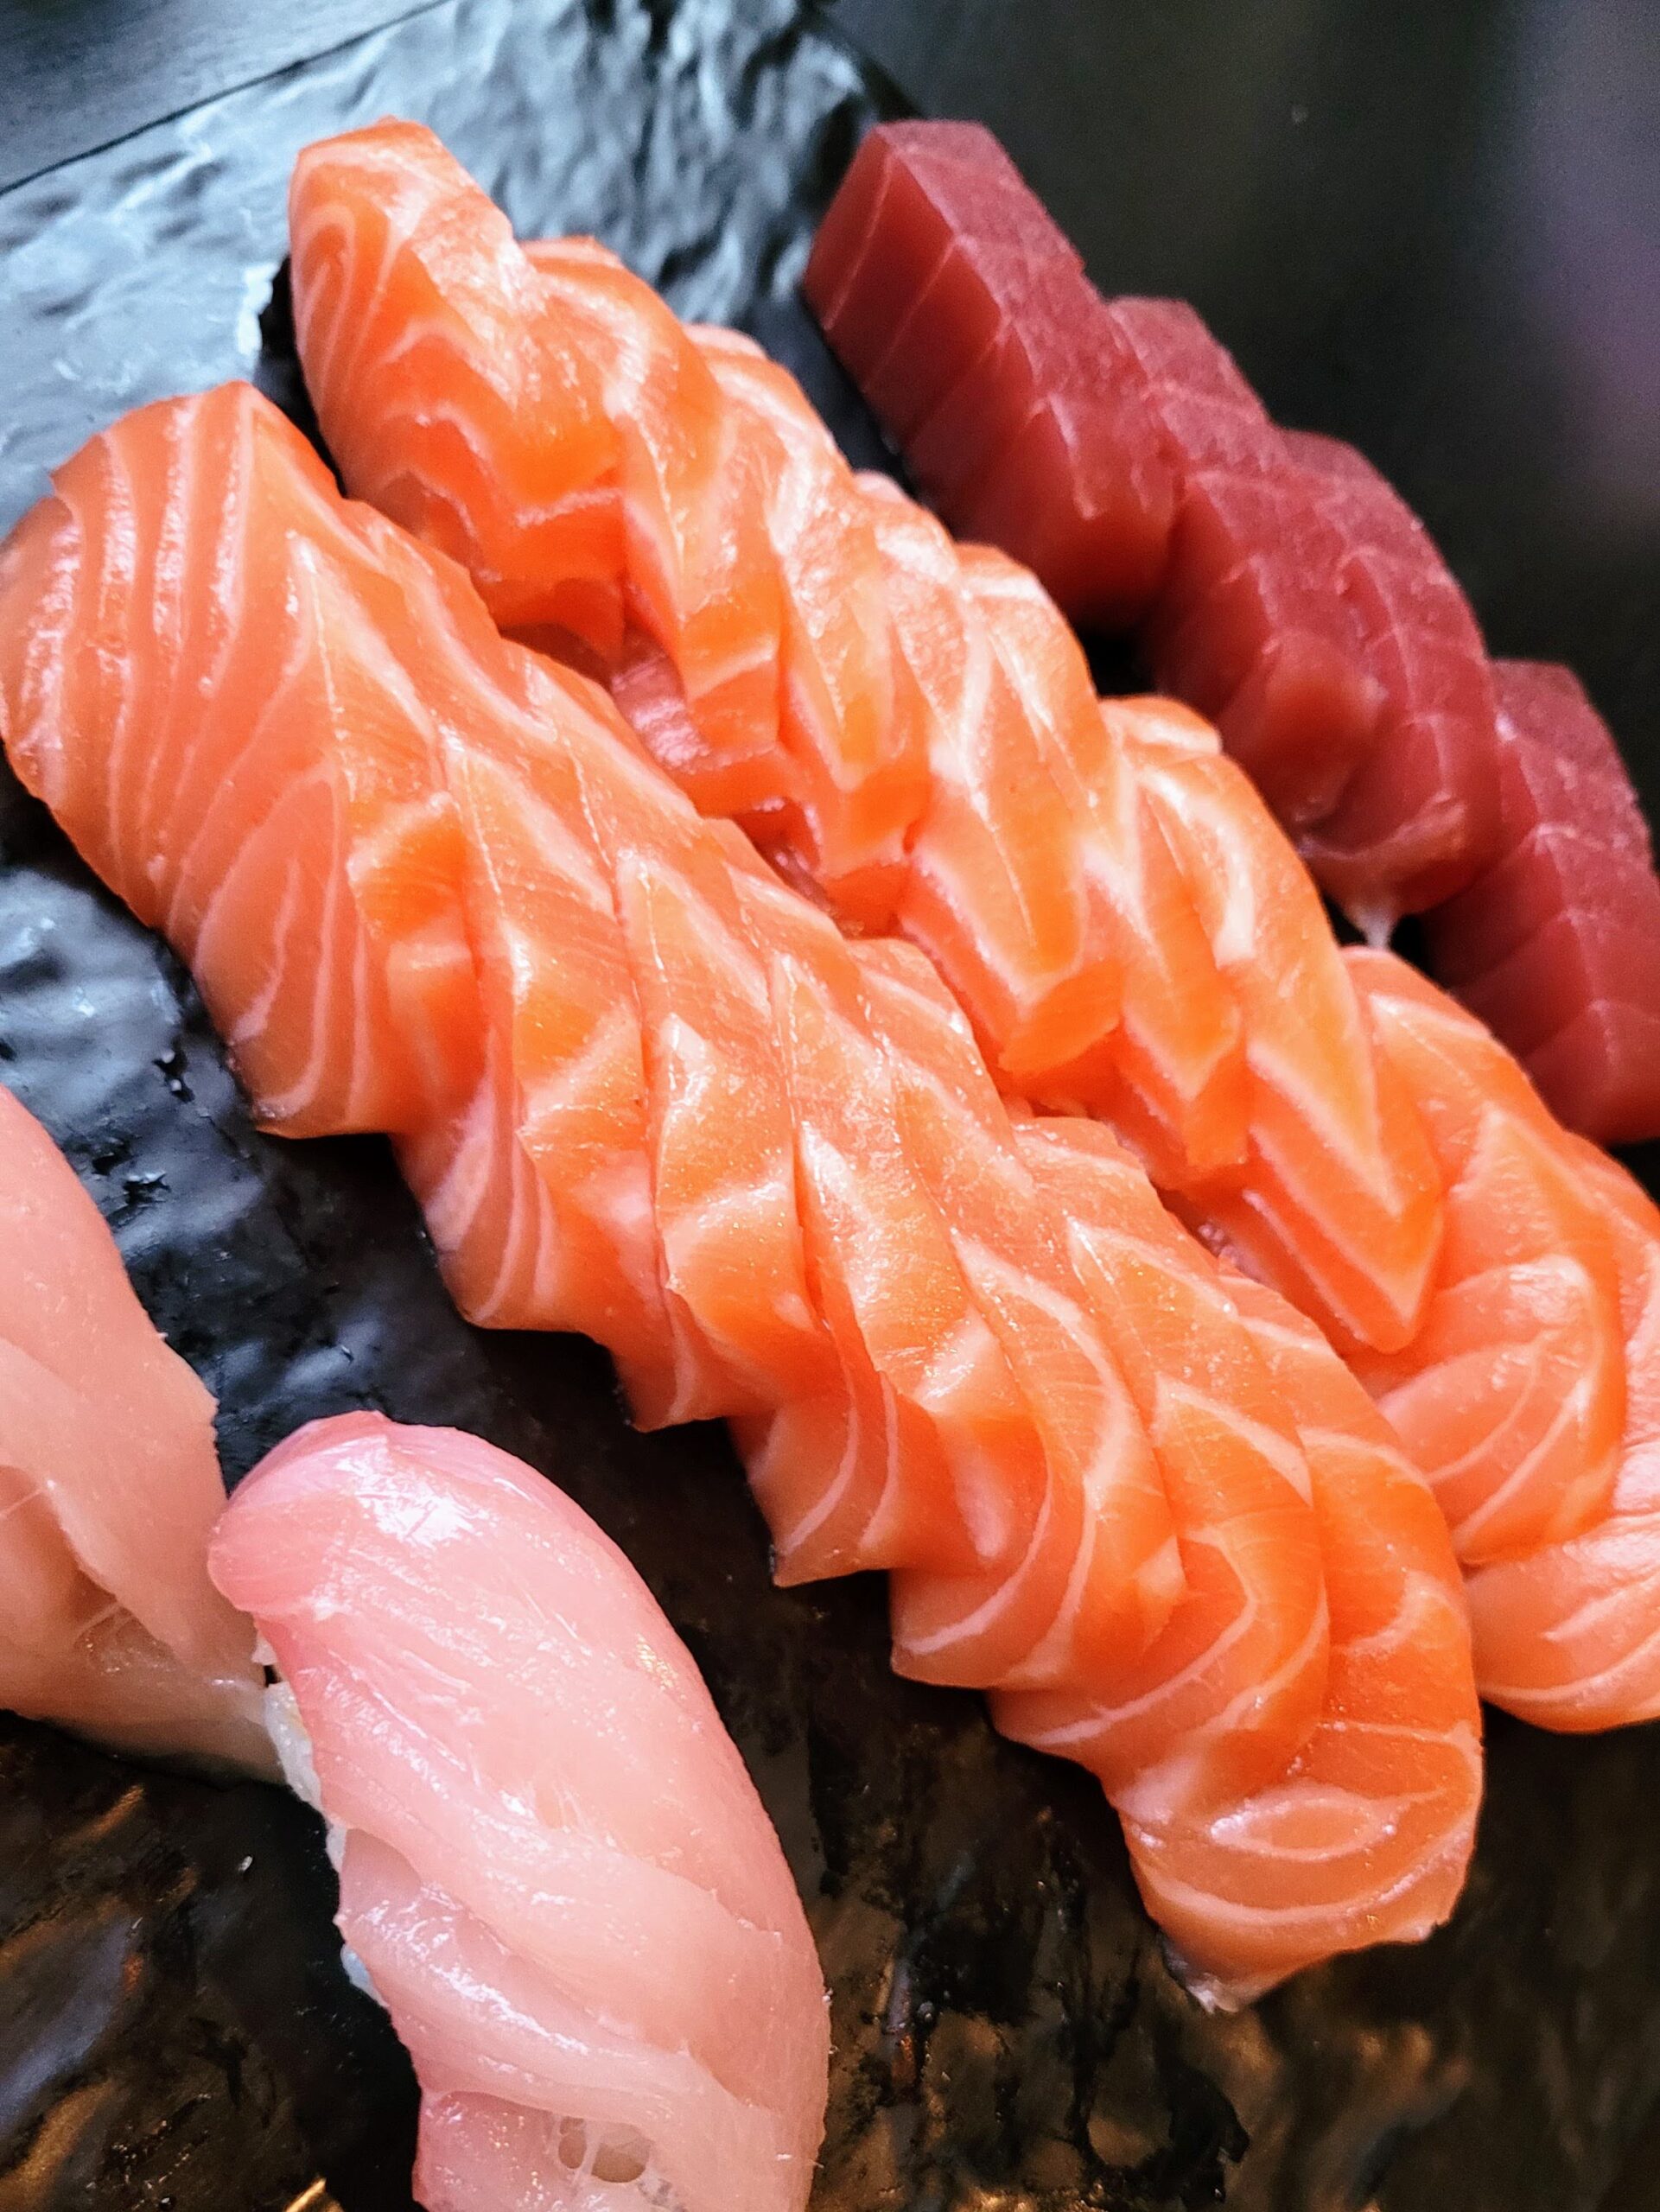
1254, 1863
1419, 817
1338, 1204
555, 1873
109, 1487
1513, 1397
1556, 946
966, 320
1569, 1635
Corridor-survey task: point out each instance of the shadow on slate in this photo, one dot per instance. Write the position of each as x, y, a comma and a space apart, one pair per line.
174, 2027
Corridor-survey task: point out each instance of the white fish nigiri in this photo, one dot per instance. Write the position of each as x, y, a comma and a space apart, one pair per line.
109, 1489
555, 1871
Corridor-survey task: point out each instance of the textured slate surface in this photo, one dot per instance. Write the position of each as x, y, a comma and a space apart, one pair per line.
173, 2027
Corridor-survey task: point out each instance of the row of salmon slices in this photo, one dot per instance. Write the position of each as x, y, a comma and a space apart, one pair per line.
430, 883
907, 728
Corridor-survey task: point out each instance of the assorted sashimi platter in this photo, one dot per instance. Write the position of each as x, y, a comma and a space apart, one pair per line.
1220, 1346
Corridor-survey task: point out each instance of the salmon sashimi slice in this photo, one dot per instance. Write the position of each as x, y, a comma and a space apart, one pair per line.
1172, 1071
1093, 1589
845, 717
345, 989
1556, 946
1568, 1636
925, 1456
700, 579
566, 1096
1225, 1699
554, 1866
1511, 1397
1339, 1206
996, 888
1365, 1837
959, 308
1419, 817
449, 399
109, 1489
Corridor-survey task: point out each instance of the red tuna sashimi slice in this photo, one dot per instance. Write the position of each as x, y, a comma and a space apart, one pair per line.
1556, 946
912, 190
108, 1488
1248, 627
965, 317
1419, 816
553, 1865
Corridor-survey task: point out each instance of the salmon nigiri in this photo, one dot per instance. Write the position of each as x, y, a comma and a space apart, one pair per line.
109, 1487
555, 1873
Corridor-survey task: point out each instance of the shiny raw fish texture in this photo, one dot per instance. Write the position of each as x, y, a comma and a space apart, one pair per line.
1129, 930
768, 1167
554, 1872
109, 1486
1557, 947
1279, 585
915, 734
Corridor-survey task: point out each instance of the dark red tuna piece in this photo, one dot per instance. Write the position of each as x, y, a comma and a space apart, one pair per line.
965, 317
1556, 945
1247, 627
1418, 819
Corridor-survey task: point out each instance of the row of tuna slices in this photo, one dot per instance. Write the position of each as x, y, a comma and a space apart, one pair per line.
1101, 887
554, 1871
427, 882
108, 1485
1292, 600
1282, 587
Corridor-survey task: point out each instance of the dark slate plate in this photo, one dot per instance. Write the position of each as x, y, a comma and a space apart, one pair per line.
174, 2029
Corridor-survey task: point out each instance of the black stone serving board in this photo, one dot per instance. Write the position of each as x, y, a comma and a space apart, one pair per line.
175, 2029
